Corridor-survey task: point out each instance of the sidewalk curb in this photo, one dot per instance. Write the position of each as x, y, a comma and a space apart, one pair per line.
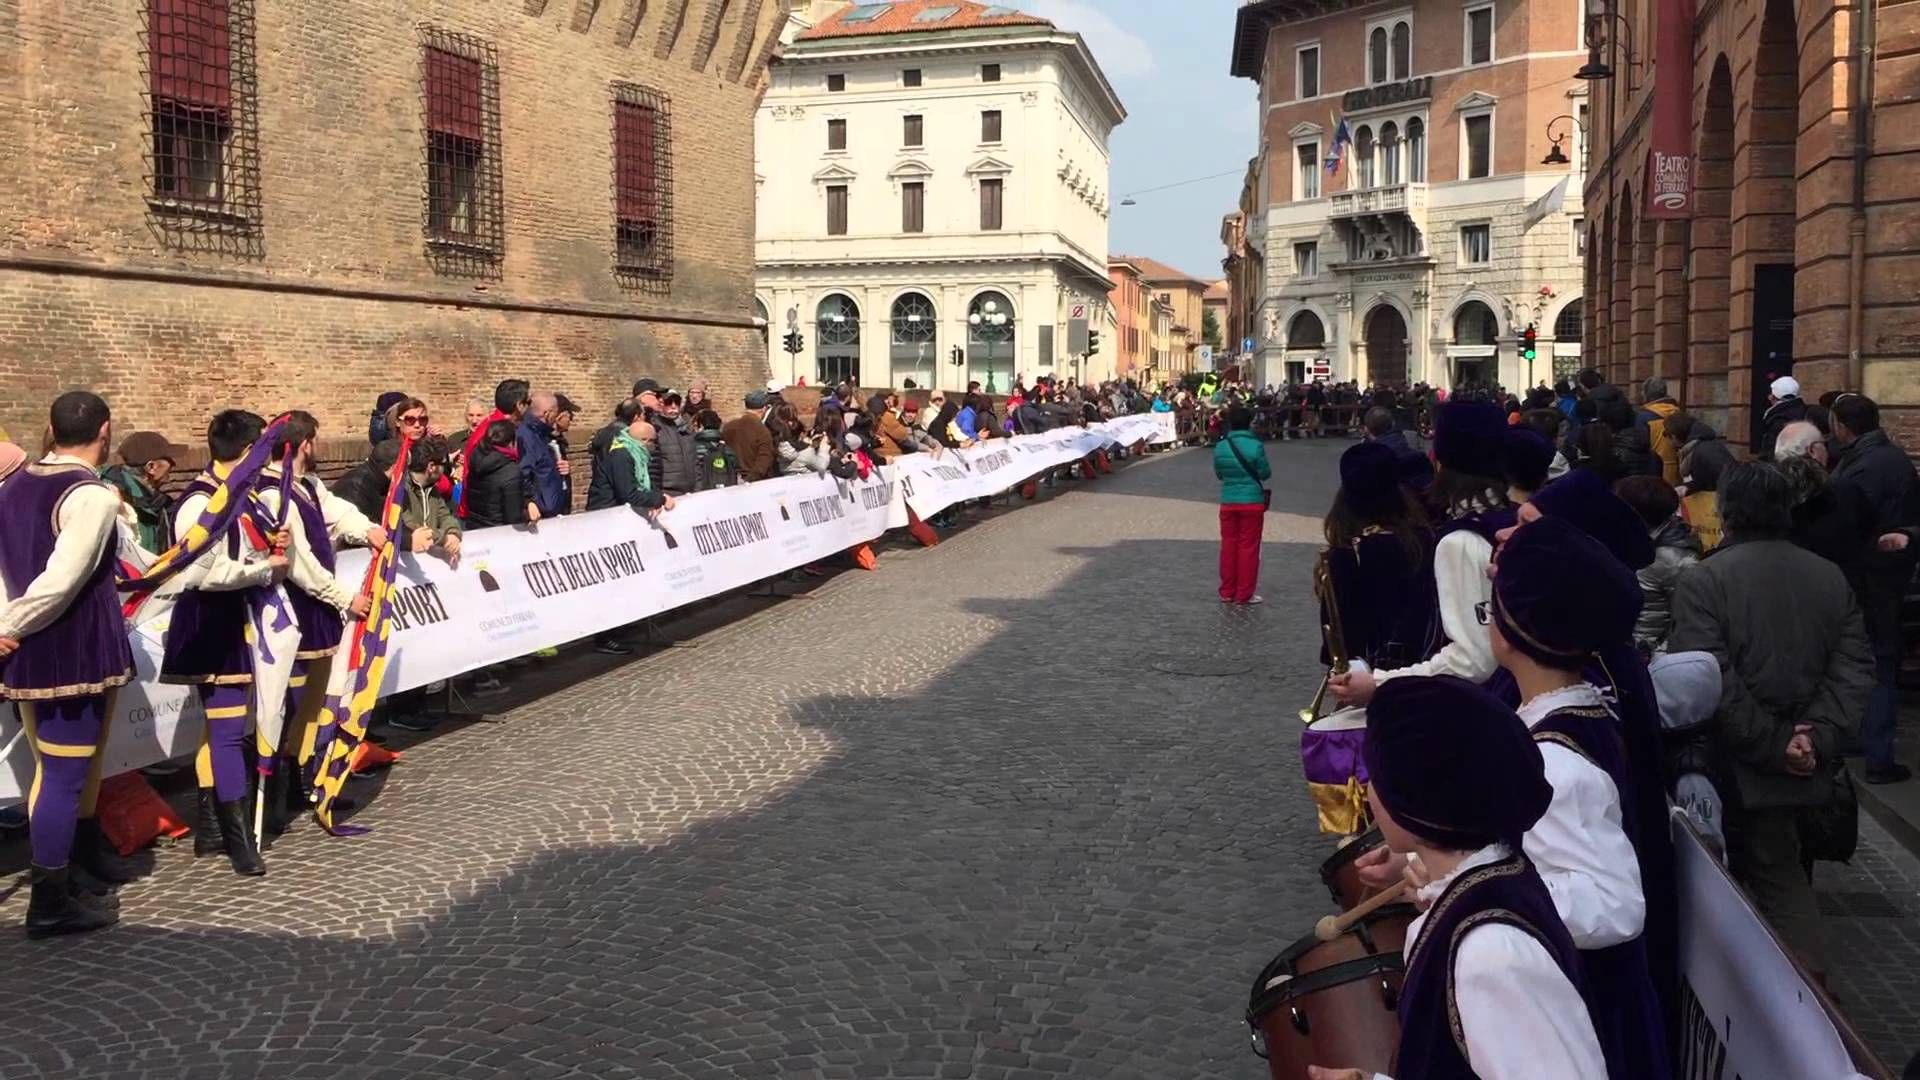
1906, 832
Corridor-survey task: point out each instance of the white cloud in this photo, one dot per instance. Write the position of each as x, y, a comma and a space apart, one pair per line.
1121, 54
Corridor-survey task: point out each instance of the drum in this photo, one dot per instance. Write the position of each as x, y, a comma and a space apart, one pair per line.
1342, 878
1336, 775
1333, 1003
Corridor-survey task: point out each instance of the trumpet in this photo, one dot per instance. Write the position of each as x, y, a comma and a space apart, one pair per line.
1331, 636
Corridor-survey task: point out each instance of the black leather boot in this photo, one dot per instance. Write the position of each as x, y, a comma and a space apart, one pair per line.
276, 797
206, 826
236, 829
51, 911
96, 856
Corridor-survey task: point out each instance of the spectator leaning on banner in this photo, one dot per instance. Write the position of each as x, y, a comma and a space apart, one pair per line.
146, 458
509, 403
494, 491
622, 476
426, 520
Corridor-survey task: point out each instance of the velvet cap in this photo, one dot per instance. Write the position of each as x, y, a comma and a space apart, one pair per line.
1452, 763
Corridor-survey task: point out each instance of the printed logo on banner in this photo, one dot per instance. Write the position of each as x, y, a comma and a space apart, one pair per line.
875, 496
583, 569
488, 583
726, 534
821, 510
988, 464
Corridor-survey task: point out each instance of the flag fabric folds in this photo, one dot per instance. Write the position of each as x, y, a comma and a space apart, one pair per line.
228, 502
361, 664
273, 637
1342, 139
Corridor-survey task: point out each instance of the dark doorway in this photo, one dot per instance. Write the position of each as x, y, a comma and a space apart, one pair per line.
1296, 372
1386, 347
1772, 335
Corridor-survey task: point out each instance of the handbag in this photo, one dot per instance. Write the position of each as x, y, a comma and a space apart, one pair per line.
1266, 493
1831, 831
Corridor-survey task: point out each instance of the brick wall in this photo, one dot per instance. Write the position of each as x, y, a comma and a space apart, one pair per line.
335, 299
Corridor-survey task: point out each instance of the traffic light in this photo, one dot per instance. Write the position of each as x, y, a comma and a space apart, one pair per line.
959, 356
1529, 343
793, 342
1093, 343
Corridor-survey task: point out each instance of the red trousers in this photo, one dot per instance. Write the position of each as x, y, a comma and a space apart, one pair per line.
1240, 526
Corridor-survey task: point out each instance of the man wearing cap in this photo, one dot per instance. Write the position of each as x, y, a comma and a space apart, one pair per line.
1493, 985
1783, 407
65, 648
146, 458
752, 443
1467, 488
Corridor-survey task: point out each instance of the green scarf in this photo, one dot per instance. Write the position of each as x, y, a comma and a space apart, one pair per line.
640, 454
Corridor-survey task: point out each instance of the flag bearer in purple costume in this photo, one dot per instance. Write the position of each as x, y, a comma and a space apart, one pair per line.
63, 650
207, 645
318, 522
1560, 597
1470, 493
1493, 985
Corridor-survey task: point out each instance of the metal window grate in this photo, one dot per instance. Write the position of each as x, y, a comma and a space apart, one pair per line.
642, 186
203, 139
461, 205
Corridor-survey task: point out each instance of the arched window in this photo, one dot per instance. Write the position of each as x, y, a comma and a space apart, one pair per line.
1474, 324
912, 349
1377, 55
766, 319
992, 343
1305, 332
1402, 50
837, 340
1416, 151
1389, 153
1363, 172
1566, 326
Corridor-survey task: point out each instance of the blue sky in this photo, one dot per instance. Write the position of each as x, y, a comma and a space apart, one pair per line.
1186, 118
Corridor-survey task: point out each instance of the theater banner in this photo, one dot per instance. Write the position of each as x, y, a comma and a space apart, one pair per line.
521, 589
1670, 159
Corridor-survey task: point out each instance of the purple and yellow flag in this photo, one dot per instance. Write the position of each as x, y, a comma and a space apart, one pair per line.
225, 506
365, 660
1336, 773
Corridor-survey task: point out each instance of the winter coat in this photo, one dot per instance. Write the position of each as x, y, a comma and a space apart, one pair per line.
150, 507
1875, 467
1675, 550
1237, 486
540, 469
1610, 407
423, 507
1792, 650
1660, 455
803, 458
752, 443
673, 461
1790, 410
495, 489
613, 484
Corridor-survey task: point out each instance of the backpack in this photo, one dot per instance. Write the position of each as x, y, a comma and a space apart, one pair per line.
715, 465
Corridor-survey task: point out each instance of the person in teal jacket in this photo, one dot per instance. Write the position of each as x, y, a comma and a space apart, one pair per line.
1240, 463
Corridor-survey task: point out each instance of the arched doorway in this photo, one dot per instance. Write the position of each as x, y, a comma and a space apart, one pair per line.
1709, 254
993, 344
837, 341
1567, 327
1306, 343
1386, 332
914, 348
1476, 350
1763, 295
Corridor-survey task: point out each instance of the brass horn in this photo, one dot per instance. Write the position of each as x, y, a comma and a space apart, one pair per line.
1331, 635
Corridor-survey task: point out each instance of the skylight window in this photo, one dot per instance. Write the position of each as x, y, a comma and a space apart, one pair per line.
936, 14
998, 12
865, 13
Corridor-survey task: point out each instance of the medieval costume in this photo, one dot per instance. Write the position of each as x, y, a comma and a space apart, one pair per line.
1493, 986
1382, 578
1558, 596
57, 562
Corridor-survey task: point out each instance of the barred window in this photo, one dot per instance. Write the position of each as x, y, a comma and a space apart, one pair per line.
203, 177
460, 99
642, 183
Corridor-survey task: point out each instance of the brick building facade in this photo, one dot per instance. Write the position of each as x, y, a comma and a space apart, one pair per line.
1797, 254
218, 202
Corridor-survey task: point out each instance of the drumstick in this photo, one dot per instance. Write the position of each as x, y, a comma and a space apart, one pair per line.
1332, 926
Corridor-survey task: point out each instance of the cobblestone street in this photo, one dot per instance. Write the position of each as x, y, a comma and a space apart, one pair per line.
1024, 805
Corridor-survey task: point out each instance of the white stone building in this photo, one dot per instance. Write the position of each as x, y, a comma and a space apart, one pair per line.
933, 196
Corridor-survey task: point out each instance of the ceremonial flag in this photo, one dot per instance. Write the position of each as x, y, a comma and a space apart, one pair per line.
1342, 139
1551, 203
223, 507
273, 637
355, 687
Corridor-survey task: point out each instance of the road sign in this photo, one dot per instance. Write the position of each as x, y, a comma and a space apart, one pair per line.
1246, 345
1077, 332
793, 318
1079, 312
1203, 356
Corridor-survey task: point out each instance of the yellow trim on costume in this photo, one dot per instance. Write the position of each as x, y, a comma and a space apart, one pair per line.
62, 750
72, 690
227, 712
296, 682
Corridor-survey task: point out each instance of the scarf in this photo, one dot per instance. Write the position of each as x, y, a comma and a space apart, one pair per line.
624, 440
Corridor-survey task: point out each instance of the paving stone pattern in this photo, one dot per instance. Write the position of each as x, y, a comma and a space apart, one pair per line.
1024, 805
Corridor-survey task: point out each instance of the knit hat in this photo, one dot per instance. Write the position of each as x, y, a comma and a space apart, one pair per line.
1467, 436
1452, 764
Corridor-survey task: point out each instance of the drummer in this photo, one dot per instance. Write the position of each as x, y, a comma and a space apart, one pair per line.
1493, 986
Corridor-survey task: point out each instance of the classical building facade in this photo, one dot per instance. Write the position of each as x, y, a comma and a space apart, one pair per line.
1437, 237
226, 202
1753, 203
1130, 302
933, 196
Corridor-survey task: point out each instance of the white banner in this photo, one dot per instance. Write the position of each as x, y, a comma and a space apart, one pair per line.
1746, 1010
521, 589
1166, 428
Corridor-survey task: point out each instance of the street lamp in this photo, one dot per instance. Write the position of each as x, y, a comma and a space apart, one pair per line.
1555, 155
1596, 68
990, 326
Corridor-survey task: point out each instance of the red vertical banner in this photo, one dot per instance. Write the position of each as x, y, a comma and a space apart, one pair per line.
1669, 180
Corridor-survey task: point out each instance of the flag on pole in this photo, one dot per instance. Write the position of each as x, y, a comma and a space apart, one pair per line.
1545, 205
354, 687
1342, 139
273, 635
224, 506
